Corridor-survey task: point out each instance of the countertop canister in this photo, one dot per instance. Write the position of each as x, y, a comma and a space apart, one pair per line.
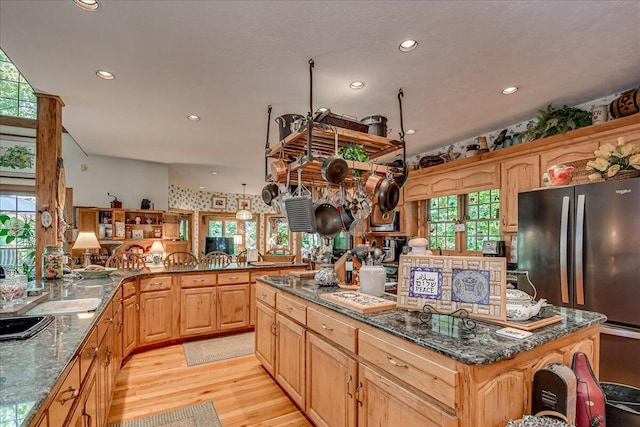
52, 261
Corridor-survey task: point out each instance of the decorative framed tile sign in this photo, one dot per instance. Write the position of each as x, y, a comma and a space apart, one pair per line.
449, 283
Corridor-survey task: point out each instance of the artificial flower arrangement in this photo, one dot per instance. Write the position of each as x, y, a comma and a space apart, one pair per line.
611, 159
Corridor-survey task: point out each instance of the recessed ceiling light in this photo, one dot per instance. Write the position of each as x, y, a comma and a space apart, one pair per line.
356, 84
201, 187
105, 75
323, 109
90, 5
410, 131
408, 45
214, 173
509, 90
193, 118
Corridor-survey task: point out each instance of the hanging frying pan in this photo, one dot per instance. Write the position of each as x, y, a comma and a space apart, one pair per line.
334, 169
388, 194
270, 192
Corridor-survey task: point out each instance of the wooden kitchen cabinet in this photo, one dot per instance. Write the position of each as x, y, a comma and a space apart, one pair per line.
90, 416
516, 175
171, 225
233, 306
156, 316
198, 310
331, 380
385, 402
130, 320
265, 346
64, 406
290, 358
568, 153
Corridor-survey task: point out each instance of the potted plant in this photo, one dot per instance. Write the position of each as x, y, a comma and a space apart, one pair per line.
615, 162
21, 231
553, 121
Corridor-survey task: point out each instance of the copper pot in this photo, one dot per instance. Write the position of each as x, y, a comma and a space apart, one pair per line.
372, 184
278, 170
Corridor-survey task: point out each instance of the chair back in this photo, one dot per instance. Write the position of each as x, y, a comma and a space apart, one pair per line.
180, 260
216, 259
131, 261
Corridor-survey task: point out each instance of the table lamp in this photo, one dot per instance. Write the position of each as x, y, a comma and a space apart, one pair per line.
157, 249
86, 240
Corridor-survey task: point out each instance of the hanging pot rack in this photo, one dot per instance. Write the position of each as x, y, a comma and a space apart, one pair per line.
316, 141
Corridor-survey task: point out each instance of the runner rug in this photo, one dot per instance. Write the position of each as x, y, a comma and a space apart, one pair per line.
214, 349
202, 415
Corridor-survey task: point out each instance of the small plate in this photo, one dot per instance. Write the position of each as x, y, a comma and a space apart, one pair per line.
95, 274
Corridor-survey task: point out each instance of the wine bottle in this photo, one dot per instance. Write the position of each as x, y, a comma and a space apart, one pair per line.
348, 269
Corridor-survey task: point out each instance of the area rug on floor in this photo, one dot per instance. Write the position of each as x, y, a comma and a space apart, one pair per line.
202, 415
214, 349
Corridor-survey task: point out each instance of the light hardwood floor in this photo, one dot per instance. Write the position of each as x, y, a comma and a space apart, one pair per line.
242, 392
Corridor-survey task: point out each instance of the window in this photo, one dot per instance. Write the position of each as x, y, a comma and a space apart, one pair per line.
442, 215
482, 218
229, 226
277, 232
16, 95
480, 210
17, 232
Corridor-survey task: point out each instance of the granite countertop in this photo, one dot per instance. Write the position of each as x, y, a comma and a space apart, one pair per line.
480, 347
30, 368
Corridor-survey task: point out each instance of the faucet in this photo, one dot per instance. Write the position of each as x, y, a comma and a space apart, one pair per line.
439, 250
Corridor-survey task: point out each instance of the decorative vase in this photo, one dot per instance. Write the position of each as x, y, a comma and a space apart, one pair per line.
624, 174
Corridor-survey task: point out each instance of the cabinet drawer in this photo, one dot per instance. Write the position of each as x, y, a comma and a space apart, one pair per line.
128, 289
336, 330
106, 319
88, 354
292, 308
235, 277
410, 365
65, 396
158, 283
266, 294
197, 280
261, 272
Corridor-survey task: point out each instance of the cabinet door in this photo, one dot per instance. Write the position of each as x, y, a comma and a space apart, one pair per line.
331, 384
105, 377
64, 399
171, 225
568, 153
118, 333
517, 175
197, 310
90, 414
252, 304
383, 402
130, 327
87, 219
265, 336
156, 316
290, 349
233, 306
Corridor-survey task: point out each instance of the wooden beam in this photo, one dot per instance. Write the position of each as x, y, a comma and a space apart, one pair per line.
20, 122
48, 151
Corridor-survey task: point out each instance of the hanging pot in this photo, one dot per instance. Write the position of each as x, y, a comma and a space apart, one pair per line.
388, 194
335, 168
328, 219
286, 123
278, 170
345, 212
270, 192
372, 184
381, 218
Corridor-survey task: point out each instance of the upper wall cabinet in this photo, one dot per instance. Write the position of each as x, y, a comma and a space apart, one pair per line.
472, 178
516, 175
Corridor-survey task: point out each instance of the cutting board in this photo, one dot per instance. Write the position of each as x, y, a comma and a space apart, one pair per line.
303, 273
66, 306
530, 325
357, 301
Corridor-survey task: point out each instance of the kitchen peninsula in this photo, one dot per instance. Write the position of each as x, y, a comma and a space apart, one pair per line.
67, 371
391, 368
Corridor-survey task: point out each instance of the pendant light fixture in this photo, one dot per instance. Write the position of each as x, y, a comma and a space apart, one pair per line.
244, 214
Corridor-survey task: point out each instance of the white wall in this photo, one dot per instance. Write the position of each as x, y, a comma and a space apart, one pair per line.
130, 180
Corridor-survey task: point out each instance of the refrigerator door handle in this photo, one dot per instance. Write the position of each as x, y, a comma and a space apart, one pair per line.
619, 332
564, 230
579, 248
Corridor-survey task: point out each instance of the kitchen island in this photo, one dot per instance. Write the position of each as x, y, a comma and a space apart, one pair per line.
66, 371
342, 367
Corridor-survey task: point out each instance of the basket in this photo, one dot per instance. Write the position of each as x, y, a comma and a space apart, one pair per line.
625, 174
278, 259
580, 173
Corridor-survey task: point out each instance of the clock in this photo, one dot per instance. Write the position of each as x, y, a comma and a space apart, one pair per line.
46, 219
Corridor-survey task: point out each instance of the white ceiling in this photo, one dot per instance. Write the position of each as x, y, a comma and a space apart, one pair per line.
226, 61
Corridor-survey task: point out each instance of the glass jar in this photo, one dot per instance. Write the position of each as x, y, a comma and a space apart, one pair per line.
52, 261
326, 276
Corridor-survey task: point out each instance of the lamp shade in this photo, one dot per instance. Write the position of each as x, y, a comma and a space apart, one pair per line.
237, 239
244, 215
86, 240
157, 247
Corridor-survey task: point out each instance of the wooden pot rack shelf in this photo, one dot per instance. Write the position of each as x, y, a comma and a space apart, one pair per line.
309, 157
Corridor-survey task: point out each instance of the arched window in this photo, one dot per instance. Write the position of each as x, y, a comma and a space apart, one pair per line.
16, 95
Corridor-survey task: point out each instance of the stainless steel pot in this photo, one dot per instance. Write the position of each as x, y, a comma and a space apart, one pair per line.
286, 123
270, 192
377, 125
335, 168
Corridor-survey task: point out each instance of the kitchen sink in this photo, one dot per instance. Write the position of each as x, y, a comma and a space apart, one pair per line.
20, 328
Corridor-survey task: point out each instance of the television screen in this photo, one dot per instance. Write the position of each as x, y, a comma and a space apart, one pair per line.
222, 244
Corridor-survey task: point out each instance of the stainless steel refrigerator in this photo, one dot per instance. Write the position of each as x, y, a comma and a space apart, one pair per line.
581, 246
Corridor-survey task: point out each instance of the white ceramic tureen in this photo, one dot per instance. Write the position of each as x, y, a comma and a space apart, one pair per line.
521, 305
